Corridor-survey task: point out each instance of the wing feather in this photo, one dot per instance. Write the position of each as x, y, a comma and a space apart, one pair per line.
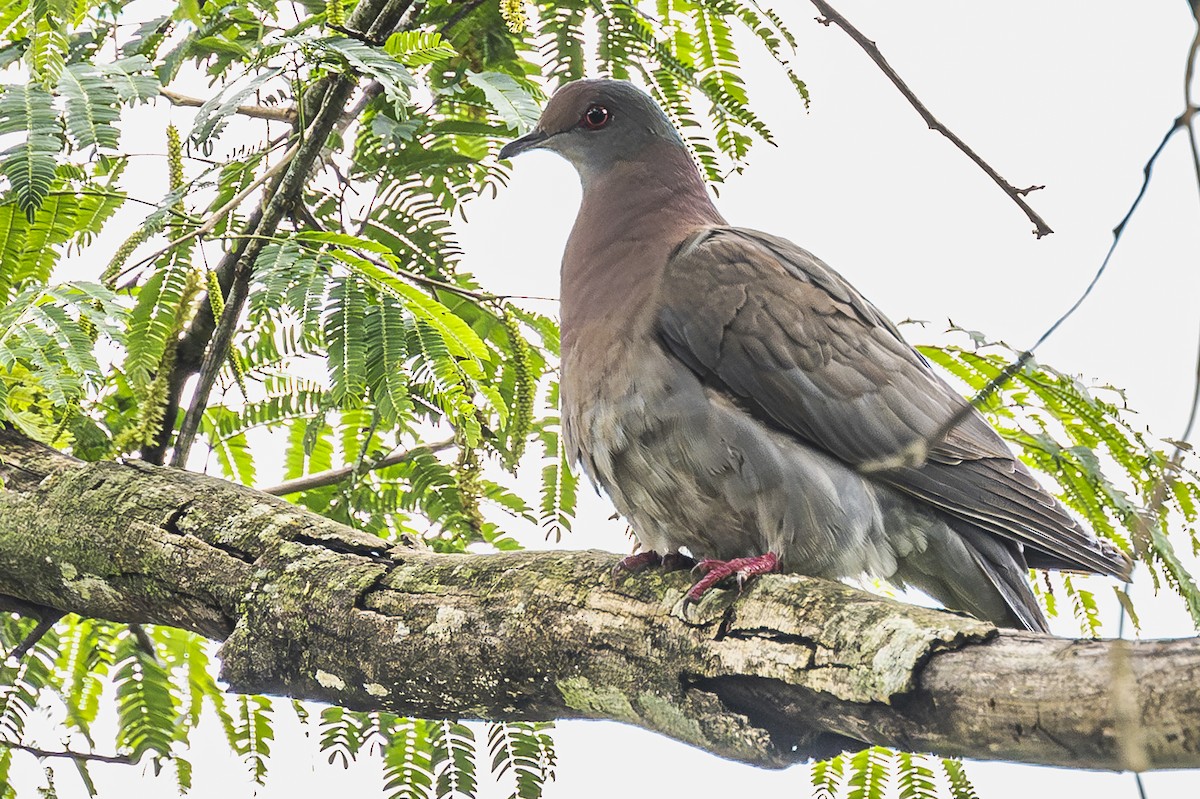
799, 347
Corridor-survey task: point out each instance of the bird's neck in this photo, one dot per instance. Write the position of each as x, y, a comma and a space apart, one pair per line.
632, 216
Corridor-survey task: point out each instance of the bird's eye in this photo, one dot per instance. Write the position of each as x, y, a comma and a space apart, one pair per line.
595, 117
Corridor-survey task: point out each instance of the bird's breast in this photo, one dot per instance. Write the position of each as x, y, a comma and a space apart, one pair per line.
691, 469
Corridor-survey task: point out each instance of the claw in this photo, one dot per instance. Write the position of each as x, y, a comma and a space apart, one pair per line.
717, 570
675, 561
637, 562
640, 561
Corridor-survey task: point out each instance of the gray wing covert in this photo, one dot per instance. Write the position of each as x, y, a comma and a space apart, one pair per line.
800, 348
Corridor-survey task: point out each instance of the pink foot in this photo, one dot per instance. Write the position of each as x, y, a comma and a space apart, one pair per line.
717, 570
675, 561
637, 562
640, 561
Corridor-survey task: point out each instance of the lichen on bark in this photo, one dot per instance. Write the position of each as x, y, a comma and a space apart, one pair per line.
790, 668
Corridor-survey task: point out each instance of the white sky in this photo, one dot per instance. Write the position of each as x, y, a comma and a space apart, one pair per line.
1071, 95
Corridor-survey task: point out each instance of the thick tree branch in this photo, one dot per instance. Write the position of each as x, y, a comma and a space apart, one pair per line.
793, 668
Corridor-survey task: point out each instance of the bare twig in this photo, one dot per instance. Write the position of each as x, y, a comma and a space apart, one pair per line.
256, 111
44, 625
915, 453
234, 268
1159, 493
283, 192
216, 216
1018, 195
460, 15
116, 195
335, 476
1191, 111
125, 760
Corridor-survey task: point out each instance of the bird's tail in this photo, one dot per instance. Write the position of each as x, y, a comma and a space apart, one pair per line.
970, 570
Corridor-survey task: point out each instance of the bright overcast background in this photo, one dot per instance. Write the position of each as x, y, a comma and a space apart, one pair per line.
1071, 95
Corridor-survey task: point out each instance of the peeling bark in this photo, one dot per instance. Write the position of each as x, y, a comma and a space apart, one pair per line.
793, 668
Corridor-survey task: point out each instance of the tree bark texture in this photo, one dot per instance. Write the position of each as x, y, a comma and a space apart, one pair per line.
791, 668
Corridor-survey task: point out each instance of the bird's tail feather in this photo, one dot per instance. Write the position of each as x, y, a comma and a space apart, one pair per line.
973, 571
1005, 568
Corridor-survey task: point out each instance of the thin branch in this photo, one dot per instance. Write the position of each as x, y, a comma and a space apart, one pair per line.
917, 451
869, 47
216, 216
44, 625
459, 15
256, 111
1188, 74
193, 353
116, 195
1158, 495
335, 476
125, 760
282, 194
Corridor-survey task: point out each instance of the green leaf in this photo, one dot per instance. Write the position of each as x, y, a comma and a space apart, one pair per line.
914, 778
344, 322
512, 101
253, 734
146, 705
91, 106
29, 164
960, 784
391, 74
867, 773
213, 115
407, 759
457, 335
162, 302
48, 51
130, 78
414, 48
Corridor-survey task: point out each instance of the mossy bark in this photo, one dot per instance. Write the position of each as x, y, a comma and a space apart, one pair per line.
792, 668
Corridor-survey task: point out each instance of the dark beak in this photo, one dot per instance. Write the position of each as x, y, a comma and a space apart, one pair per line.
530, 141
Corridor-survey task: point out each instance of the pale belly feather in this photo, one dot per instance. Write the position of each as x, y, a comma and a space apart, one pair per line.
691, 470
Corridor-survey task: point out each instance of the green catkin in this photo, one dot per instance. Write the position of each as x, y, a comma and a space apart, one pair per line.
335, 12
239, 371
215, 298
470, 487
68, 414
174, 160
153, 226
135, 240
513, 12
524, 390
152, 401
216, 301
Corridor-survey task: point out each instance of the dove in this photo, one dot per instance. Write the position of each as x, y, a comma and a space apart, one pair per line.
730, 392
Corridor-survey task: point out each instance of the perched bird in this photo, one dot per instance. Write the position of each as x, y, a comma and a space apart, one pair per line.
725, 388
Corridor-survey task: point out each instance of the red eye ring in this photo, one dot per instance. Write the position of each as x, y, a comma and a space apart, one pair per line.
596, 117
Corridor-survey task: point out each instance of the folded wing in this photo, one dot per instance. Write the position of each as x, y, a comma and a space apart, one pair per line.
770, 324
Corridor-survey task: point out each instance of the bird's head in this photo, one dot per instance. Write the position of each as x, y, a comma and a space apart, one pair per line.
597, 123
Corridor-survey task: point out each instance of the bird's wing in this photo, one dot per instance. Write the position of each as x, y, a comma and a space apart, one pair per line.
771, 325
